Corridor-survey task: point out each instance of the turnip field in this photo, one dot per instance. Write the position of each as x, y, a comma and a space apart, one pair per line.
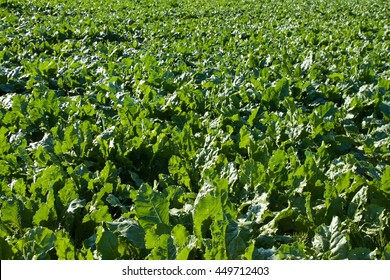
195, 129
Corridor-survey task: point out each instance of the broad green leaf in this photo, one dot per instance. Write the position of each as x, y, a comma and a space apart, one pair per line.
245, 138
11, 211
385, 108
331, 243
282, 88
164, 248
104, 191
51, 176
216, 247
42, 215
152, 209
358, 202
108, 173
129, 229
237, 235
385, 181
4, 142
102, 214
277, 162
37, 243
207, 209
107, 245
180, 235
252, 174
183, 242
64, 247
253, 116
178, 171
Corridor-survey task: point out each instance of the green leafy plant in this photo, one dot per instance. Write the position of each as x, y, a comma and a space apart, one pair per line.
194, 129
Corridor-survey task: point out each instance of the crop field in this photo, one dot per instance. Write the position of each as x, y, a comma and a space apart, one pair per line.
195, 129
